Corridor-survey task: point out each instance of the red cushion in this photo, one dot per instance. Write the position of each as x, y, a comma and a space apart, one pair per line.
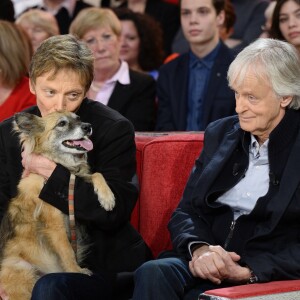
164, 162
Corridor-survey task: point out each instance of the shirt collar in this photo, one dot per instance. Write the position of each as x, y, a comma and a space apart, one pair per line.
207, 60
255, 148
68, 4
122, 74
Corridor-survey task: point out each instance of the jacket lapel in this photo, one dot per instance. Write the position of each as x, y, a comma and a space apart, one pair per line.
119, 96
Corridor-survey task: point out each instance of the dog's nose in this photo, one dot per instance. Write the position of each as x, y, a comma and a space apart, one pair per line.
87, 128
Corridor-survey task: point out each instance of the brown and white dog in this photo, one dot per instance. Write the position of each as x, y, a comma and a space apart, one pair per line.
33, 234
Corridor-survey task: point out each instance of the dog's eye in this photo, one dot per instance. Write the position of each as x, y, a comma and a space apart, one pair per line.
62, 123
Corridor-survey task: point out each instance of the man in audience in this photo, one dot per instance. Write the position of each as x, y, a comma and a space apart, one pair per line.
64, 11
192, 89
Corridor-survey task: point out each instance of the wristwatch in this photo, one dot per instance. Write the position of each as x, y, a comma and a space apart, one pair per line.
253, 278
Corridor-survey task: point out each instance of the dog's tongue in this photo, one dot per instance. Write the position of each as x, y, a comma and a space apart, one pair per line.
86, 144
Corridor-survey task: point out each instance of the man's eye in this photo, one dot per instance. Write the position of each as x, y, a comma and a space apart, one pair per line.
49, 92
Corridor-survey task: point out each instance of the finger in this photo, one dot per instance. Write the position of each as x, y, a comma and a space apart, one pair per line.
234, 256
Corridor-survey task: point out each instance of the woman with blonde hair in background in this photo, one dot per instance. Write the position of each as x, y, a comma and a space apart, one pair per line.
39, 25
129, 92
15, 55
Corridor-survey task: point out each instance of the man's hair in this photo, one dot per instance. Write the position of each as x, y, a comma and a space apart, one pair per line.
275, 61
219, 5
63, 52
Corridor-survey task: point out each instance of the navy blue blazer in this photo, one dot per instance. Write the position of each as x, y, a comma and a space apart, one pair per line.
172, 92
267, 239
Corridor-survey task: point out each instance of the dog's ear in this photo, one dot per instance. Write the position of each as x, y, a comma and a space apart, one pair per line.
27, 123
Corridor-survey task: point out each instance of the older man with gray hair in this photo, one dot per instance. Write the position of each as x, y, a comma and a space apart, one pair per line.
238, 219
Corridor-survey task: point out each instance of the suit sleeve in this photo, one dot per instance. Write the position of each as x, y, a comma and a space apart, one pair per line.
164, 113
187, 224
115, 159
272, 266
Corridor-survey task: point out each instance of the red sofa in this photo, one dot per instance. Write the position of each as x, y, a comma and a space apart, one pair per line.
164, 162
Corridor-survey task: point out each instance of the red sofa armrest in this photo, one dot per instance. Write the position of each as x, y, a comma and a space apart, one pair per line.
164, 162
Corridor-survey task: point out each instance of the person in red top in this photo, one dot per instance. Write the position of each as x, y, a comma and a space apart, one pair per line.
16, 51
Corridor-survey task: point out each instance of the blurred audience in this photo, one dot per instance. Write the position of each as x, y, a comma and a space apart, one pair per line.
15, 55
165, 13
268, 20
141, 41
250, 17
64, 11
286, 22
226, 30
130, 92
39, 25
7, 11
192, 89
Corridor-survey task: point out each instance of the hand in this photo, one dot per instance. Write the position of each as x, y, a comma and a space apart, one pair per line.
216, 264
37, 164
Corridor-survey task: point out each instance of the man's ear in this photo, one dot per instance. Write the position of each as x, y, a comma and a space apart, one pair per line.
32, 87
285, 101
221, 18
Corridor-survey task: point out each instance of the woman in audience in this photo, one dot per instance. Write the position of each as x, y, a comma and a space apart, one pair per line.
286, 22
141, 41
166, 14
115, 85
39, 25
15, 55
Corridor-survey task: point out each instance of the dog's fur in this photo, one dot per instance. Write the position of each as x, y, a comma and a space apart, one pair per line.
33, 234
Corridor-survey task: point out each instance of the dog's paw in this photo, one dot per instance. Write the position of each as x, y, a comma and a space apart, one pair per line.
86, 271
108, 201
105, 195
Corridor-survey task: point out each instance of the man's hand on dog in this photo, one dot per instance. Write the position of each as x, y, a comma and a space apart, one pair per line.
38, 164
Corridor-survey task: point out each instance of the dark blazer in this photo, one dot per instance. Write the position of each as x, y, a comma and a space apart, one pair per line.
63, 18
172, 92
267, 239
117, 247
136, 101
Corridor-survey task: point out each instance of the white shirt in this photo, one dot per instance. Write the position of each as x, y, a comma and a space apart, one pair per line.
243, 196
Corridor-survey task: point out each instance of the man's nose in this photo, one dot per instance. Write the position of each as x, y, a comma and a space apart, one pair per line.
61, 103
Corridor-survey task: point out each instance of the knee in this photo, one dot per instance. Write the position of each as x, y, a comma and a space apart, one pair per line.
153, 270
47, 286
